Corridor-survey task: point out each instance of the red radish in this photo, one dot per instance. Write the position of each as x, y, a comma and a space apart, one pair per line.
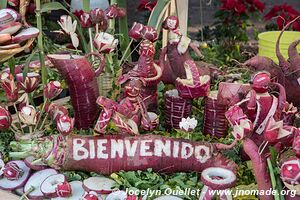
30, 83
35, 181
168, 197
232, 93
12, 171
25, 34
55, 185
5, 118
112, 153
14, 13
290, 171
101, 185
6, 18
13, 3
117, 195
91, 196
82, 82
10, 46
218, 178
11, 28
7, 184
5, 37
77, 191
52, 89
36, 166
136, 31
171, 23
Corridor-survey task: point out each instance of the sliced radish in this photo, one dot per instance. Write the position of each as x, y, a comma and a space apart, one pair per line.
117, 195
35, 181
25, 35
6, 184
12, 12
11, 28
2, 164
168, 197
10, 46
36, 166
77, 191
6, 18
49, 185
101, 185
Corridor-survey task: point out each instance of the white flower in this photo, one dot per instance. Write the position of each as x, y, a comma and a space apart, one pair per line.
69, 27
188, 124
105, 42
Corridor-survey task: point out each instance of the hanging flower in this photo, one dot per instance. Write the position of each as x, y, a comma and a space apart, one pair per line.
105, 42
52, 89
30, 83
146, 5
63, 189
188, 124
12, 171
112, 12
136, 31
9, 86
28, 115
5, 118
65, 124
69, 28
149, 33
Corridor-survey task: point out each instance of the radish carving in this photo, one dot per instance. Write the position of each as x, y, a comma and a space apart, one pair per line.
290, 174
108, 154
56, 185
100, 185
83, 88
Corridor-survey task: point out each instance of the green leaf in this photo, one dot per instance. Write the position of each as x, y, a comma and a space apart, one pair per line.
52, 6
26, 67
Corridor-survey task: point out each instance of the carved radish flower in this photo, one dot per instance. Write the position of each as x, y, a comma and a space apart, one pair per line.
52, 89
90, 196
235, 114
65, 124
242, 129
188, 124
149, 33
97, 15
63, 189
55, 111
136, 31
28, 115
9, 86
290, 171
85, 20
69, 28
171, 23
112, 12
30, 83
5, 118
12, 171
105, 42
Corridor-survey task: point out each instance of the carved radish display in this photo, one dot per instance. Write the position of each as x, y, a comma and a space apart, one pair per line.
108, 154
81, 79
215, 122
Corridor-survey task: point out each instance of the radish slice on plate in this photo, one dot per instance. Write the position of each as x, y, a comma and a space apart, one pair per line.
117, 195
168, 197
35, 181
6, 184
36, 166
25, 35
101, 185
11, 28
77, 191
49, 185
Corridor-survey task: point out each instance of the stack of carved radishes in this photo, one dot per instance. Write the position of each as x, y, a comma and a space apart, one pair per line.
11, 33
38, 182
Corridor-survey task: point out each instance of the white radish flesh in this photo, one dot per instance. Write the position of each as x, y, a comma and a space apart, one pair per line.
35, 181
48, 187
11, 28
25, 35
6, 184
101, 185
117, 195
77, 191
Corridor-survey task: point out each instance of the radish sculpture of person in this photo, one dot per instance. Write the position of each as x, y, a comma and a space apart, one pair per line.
257, 121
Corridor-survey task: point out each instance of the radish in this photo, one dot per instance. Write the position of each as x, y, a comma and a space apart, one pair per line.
7, 184
77, 191
11, 28
35, 182
13, 13
10, 46
4, 37
6, 18
56, 185
2, 164
36, 166
91, 196
168, 197
101, 185
117, 195
25, 35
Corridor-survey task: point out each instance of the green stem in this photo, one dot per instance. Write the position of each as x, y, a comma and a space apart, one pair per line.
19, 120
41, 114
3, 4
12, 64
123, 30
40, 40
273, 179
126, 53
86, 5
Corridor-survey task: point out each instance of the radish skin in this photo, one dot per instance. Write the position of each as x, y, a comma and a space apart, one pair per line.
77, 191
